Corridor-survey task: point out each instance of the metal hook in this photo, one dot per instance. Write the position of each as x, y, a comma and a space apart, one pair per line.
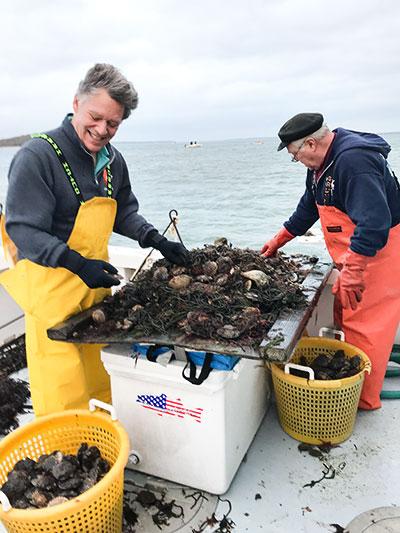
172, 218
173, 222
173, 215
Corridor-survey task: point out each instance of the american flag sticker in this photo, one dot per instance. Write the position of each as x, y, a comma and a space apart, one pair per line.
163, 405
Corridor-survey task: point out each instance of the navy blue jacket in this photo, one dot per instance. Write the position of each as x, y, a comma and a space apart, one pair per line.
361, 185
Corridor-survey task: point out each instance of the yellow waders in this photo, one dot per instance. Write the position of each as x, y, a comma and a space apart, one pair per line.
63, 375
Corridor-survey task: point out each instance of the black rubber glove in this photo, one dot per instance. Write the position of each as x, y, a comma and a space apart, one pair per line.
175, 252
94, 272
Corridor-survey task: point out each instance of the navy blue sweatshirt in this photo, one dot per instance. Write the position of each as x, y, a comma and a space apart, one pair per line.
363, 187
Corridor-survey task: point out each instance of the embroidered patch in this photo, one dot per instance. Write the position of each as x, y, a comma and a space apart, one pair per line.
334, 229
328, 190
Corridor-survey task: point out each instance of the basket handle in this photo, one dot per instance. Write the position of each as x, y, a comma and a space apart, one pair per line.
367, 367
93, 403
5, 502
307, 369
329, 384
330, 332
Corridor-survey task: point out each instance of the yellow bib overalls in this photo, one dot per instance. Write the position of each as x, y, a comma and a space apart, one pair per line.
63, 375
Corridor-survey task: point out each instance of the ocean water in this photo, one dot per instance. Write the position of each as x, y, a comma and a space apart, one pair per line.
239, 189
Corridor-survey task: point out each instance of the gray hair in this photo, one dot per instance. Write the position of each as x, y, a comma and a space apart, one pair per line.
108, 77
317, 135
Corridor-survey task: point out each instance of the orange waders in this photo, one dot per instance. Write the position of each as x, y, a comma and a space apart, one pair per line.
372, 326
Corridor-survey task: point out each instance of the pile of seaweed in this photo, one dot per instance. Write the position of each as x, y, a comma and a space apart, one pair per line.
164, 511
14, 393
13, 356
54, 478
223, 293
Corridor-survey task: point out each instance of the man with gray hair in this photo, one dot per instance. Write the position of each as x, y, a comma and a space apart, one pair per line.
351, 188
69, 189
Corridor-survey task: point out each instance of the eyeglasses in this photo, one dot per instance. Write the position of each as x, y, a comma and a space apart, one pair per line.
294, 156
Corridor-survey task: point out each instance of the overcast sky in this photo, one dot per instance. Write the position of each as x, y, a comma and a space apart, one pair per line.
205, 69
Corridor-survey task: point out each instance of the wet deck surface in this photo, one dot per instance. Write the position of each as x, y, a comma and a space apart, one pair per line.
276, 488
271, 491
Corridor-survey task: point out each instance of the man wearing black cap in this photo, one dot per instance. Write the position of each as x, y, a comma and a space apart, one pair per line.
352, 190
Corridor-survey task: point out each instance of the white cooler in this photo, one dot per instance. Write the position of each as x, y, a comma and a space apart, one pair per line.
12, 321
195, 435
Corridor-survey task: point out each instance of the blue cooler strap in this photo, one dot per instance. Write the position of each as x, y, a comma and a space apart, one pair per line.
150, 354
204, 373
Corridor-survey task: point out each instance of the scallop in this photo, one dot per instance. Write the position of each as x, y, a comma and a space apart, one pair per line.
258, 276
224, 264
228, 332
160, 274
57, 500
221, 241
177, 270
99, 316
38, 498
251, 311
210, 268
221, 279
180, 282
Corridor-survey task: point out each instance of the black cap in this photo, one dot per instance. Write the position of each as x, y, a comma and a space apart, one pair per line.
298, 127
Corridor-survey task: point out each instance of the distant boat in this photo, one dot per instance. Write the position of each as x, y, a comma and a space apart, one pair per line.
259, 142
193, 144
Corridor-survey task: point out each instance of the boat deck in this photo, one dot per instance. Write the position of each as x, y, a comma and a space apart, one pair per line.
274, 489
279, 489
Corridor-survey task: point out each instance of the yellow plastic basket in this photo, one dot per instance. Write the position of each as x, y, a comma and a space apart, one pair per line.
317, 411
97, 510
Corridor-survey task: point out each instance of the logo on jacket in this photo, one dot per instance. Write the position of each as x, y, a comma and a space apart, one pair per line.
328, 189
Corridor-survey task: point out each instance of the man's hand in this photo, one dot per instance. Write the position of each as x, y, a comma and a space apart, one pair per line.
349, 286
272, 246
97, 273
175, 252
94, 272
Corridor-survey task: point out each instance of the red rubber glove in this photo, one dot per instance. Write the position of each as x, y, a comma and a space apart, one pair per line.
350, 285
281, 238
